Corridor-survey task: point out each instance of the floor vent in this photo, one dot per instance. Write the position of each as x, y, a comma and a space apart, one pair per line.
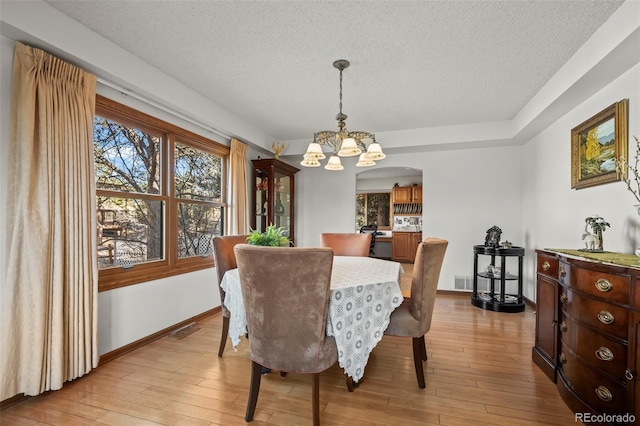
183, 332
466, 283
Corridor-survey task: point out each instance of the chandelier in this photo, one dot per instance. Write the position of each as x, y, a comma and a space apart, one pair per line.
343, 143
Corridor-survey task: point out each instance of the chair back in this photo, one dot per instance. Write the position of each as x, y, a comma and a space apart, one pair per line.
286, 296
424, 280
347, 244
373, 230
225, 259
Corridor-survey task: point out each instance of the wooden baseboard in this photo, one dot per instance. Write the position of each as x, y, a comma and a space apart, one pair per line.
529, 302
110, 356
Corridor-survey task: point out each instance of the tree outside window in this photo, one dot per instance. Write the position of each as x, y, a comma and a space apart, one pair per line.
373, 209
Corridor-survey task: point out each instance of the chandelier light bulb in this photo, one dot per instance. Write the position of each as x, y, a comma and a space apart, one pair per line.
374, 152
314, 151
349, 148
363, 161
334, 163
310, 162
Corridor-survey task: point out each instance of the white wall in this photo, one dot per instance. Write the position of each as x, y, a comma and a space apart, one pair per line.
385, 184
553, 212
127, 314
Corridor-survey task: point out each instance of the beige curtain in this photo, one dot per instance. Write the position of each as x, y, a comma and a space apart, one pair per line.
239, 220
49, 301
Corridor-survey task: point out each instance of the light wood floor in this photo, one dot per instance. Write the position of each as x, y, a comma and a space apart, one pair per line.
479, 372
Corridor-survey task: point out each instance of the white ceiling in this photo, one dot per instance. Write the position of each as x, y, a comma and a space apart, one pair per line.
414, 64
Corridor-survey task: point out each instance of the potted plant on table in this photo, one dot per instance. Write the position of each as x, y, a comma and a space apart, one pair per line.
598, 226
272, 236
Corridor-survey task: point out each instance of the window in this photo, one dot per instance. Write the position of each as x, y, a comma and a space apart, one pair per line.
373, 209
159, 196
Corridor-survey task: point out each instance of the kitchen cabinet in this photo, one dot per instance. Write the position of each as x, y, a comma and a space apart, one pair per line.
404, 246
407, 194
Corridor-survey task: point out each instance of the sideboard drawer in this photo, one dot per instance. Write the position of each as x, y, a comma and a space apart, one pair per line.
548, 265
600, 392
602, 285
603, 316
599, 351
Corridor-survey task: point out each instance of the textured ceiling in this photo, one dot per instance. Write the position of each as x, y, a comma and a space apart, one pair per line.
414, 64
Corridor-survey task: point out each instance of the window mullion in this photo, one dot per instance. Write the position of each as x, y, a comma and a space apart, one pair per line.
172, 206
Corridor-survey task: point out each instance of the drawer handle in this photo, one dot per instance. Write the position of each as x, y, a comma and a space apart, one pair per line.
604, 393
563, 358
628, 374
604, 285
563, 298
604, 354
563, 327
563, 273
546, 266
606, 317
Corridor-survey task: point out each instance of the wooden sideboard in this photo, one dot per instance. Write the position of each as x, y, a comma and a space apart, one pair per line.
587, 331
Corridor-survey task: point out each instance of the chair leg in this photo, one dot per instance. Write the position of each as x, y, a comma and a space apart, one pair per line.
256, 374
417, 360
424, 349
350, 385
225, 333
316, 399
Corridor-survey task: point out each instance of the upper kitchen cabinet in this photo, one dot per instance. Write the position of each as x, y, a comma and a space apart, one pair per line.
407, 194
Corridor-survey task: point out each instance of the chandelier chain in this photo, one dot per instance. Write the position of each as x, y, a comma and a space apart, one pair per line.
340, 92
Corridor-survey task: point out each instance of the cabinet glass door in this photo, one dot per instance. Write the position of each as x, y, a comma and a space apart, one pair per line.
262, 200
282, 203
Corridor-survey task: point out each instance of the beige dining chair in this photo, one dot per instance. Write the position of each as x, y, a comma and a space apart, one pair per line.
347, 244
413, 317
225, 259
286, 295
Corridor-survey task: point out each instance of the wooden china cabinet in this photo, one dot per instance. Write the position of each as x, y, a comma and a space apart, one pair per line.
273, 195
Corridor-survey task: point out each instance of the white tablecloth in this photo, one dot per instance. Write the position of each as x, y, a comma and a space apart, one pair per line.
364, 292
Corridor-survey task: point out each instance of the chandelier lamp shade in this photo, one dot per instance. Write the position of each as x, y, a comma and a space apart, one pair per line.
343, 143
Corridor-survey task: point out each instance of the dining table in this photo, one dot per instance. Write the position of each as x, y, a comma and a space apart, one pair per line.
364, 292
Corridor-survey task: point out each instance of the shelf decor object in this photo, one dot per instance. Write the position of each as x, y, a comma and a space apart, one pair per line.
343, 143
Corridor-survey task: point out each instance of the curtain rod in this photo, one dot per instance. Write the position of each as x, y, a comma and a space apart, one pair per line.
132, 94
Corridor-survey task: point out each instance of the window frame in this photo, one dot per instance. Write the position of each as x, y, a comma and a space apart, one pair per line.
366, 204
171, 265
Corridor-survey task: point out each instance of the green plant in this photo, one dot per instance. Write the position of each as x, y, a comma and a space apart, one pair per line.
272, 236
597, 223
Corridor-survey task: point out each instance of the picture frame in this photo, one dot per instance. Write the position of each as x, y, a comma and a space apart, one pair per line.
598, 144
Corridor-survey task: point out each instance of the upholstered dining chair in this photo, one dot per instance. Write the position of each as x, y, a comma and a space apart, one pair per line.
225, 259
347, 244
413, 317
286, 295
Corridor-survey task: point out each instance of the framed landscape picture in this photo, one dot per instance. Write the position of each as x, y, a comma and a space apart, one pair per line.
597, 144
